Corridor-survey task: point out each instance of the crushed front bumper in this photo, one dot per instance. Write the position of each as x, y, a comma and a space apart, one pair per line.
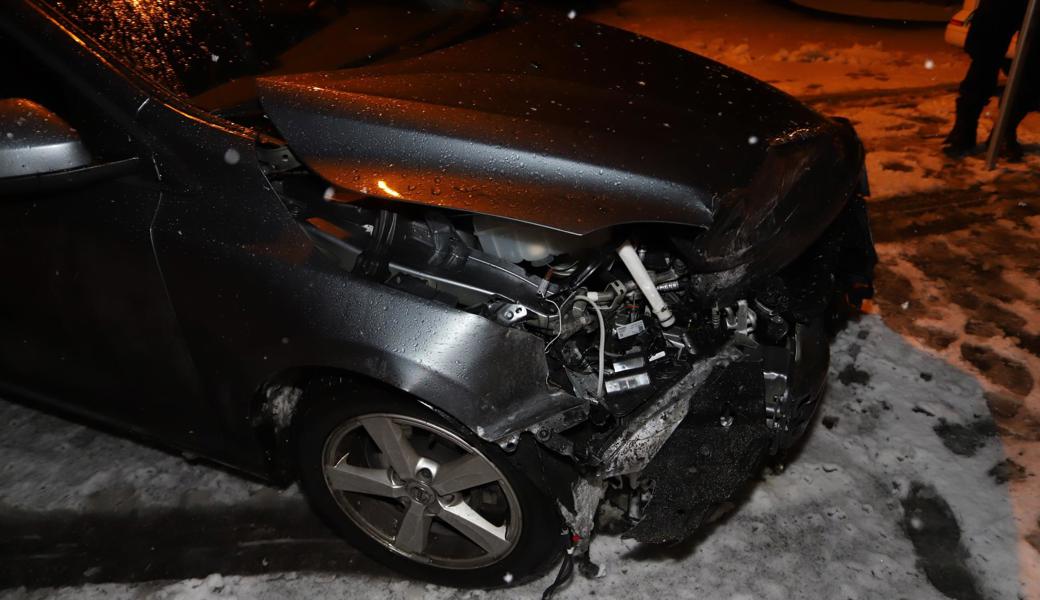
700, 441
756, 406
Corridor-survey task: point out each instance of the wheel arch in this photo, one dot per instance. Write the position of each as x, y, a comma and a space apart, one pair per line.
278, 403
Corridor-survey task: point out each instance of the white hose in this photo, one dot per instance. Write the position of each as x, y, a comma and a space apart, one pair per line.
646, 285
602, 342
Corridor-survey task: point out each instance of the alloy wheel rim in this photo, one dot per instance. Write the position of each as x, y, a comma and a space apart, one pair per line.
421, 491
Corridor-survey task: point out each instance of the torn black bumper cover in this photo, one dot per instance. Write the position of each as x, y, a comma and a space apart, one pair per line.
727, 433
702, 439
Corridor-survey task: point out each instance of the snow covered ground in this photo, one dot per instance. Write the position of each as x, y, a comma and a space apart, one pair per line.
891, 491
800, 52
919, 480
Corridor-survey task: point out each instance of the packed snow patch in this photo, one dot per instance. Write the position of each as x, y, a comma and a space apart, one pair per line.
901, 173
857, 55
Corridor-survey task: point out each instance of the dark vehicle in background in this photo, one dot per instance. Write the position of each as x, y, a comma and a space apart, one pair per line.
464, 270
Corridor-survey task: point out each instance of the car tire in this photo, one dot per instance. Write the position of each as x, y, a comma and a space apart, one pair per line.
362, 496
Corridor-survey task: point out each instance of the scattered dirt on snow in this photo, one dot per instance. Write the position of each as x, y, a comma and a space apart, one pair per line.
851, 375
932, 527
1008, 470
966, 439
1003, 406
1001, 370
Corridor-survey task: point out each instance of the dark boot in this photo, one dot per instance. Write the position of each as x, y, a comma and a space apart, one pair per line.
962, 138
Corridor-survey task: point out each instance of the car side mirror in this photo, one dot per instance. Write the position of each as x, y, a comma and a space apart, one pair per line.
34, 140
39, 151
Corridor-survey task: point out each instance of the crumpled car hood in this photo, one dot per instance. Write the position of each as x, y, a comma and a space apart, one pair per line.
570, 125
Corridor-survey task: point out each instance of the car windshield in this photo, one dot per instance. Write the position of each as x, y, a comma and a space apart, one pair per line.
209, 51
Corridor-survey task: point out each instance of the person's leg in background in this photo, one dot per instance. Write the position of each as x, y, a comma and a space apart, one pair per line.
974, 93
993, 25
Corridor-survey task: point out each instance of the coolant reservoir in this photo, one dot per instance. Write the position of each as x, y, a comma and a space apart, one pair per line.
515, 242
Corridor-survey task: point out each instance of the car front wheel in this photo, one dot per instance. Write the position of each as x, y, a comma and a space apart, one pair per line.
424, 496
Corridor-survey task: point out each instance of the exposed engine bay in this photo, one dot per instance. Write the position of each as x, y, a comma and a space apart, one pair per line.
680, 381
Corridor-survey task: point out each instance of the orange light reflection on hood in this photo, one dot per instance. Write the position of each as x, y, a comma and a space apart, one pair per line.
387, 189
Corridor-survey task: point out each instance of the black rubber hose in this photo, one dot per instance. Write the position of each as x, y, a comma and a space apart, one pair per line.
562, 577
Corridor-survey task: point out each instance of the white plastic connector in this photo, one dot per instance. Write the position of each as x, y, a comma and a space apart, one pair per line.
646, 285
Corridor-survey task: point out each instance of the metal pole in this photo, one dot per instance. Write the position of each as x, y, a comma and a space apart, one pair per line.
1025, 41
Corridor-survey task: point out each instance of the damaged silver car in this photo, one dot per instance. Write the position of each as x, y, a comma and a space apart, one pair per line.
467, 271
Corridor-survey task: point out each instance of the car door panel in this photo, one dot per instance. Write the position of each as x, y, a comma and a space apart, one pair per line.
85, 320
